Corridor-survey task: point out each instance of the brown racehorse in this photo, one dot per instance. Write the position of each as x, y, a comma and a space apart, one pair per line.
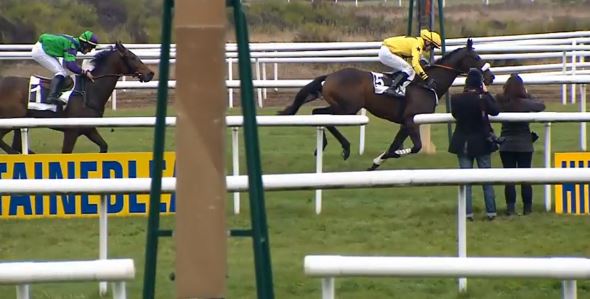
90, 101
348, 90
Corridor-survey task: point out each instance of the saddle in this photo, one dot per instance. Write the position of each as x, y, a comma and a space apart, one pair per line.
382, 81
45, 82
39, 90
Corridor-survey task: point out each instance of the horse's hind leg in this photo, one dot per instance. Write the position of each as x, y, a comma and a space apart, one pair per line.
70, 137
414, 132
95, 137
17, 142
5, 147
335, 132
397, 143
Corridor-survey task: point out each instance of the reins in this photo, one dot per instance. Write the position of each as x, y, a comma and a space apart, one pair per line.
446, 67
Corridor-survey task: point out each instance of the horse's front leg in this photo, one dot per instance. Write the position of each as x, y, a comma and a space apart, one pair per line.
391, 152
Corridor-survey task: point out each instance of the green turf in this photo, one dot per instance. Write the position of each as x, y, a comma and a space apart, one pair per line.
414, 221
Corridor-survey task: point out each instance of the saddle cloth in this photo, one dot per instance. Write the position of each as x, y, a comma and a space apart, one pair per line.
39, 90
381, 82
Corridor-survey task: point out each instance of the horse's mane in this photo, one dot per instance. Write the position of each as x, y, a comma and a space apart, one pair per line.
447, 56
100, 58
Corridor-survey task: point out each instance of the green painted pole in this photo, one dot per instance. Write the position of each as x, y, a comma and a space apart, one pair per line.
410, 17
441, 20
260, 242
151, 248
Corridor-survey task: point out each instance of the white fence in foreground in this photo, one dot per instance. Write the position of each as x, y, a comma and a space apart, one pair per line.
334, 180
26, 273
328, 267
542, 117
234, 122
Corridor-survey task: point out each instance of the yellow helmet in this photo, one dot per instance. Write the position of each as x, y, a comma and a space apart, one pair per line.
432, 37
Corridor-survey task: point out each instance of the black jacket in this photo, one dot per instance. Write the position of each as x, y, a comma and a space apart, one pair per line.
518, 134
473, 128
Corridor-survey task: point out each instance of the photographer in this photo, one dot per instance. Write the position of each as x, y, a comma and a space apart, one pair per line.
470, 140
517, 149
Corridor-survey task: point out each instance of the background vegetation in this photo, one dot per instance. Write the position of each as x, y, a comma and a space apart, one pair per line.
138, 21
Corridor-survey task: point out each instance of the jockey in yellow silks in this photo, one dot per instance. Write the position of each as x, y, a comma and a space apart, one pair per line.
394, 52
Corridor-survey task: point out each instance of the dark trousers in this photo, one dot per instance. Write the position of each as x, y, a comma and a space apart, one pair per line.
517, 160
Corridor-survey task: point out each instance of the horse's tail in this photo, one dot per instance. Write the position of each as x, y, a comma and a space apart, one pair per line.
308, 93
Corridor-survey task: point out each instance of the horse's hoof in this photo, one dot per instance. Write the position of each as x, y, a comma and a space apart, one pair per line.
345, 153
373, 167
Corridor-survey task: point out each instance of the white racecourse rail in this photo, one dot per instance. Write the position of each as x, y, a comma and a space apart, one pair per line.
25, 273
335, 180
231, 121
543, 117
319, 121
330, 266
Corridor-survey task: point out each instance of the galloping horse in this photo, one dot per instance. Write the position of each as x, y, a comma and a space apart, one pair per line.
89, 101
348, 90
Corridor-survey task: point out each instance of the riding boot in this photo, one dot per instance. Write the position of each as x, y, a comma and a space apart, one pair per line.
394, 89
55, 90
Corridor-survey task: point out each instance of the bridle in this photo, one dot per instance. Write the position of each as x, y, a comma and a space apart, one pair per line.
129, 72
486, 66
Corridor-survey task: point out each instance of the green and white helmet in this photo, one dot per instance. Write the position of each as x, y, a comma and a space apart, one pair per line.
89, 37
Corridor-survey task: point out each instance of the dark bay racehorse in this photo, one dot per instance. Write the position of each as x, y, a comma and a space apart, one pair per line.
90, 101
348, 90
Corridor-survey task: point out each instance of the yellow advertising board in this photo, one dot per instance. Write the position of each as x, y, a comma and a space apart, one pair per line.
80, 166
572, 198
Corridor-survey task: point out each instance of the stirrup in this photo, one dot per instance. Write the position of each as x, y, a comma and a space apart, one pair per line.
55, 101
394, 92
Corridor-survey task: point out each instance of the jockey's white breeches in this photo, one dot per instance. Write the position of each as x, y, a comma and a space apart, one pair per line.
396, 63
49, 62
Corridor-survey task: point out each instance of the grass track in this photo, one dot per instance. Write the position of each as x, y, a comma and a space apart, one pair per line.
414, 221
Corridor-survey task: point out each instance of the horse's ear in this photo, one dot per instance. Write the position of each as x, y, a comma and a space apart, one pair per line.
119, 46
469, 44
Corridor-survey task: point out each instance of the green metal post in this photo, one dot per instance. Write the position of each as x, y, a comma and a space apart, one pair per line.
410, 17
260, 242
151, 249
441, 20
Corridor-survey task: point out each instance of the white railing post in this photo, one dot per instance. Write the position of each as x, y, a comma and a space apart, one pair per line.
264, 94
235, 165
23, 291
583, 124
362, 134
258, 75
24, 139
328, 291
103, 245
119, 290
230, 75
564, 71
462, 231
319, 167
569, 289
547, 155
573, 73
276, 74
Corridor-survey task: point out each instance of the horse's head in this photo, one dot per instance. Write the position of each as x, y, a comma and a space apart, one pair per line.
462, 59
131, 64
118, 60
